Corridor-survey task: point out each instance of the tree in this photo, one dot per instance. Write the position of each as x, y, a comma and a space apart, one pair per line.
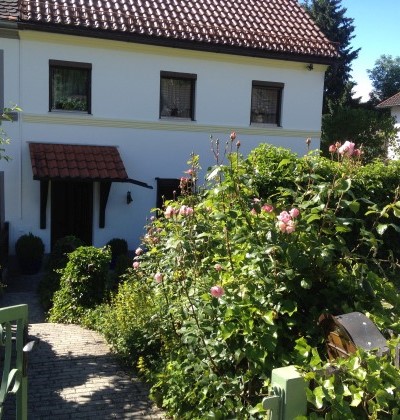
6, 115
372, 130
385, 78
329, 15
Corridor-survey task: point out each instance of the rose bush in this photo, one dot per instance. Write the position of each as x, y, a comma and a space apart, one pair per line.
235, 276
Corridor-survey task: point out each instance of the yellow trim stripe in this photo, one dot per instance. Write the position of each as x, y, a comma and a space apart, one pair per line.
163, 125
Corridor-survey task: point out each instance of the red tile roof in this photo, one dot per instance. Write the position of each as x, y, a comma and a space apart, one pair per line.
73, 162
263, 26
9, 9
392, 101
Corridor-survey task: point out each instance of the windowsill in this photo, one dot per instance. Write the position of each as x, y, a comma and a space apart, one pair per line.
265, 125
176, 119
67, 112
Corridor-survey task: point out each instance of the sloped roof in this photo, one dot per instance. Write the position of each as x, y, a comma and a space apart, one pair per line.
69, 161
274, 26
392, 101
9, 9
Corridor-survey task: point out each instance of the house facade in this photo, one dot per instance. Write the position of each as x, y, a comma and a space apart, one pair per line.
393, 103
116, 96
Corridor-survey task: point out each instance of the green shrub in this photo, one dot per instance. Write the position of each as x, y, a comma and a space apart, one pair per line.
118, 247
235, 277
58, 259
29, 250
83, 284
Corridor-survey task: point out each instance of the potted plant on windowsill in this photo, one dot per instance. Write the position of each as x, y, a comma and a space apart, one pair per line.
29, 250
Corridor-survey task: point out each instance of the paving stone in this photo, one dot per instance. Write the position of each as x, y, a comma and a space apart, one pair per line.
72, 373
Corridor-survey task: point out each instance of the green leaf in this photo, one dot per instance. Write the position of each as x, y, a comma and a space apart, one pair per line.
357, 398
381, 228
214, 173
354, 206
312, 218
284, 162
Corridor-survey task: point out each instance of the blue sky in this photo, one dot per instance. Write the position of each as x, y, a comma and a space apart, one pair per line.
377, 32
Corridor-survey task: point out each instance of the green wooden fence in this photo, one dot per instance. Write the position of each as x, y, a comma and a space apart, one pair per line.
13, 337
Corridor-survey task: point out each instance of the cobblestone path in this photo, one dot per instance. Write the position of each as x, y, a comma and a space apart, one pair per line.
71, 371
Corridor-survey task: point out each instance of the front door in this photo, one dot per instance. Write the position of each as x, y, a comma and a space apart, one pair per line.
71, 210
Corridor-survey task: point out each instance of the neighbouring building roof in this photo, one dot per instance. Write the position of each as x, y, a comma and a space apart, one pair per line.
69, 161
390, 102
279, 27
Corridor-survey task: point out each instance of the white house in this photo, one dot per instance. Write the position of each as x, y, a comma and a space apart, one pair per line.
394, 104
114, 91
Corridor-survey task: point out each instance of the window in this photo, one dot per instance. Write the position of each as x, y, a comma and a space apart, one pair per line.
70, 85
266, 99
177, 95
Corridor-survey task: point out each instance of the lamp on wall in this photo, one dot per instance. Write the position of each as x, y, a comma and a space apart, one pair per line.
310, 67
129, 198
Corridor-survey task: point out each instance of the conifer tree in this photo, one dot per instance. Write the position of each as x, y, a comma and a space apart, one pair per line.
331, 18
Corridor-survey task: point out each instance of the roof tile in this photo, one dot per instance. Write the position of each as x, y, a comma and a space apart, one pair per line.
273, 26
392, 101
67, 161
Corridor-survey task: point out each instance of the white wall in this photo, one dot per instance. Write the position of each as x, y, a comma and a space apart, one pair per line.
125, 113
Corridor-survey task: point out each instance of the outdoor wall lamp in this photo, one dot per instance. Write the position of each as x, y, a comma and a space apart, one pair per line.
129, 198
310, 67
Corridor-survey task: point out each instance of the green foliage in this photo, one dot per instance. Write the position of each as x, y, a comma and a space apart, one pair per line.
331, 18
57, 260
372, 129
385, 78
29, 250
230, 281
83, 284
364, 386
4, 140
118, 247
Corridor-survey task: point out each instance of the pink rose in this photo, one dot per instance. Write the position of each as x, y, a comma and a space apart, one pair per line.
182, 211
189, 172
347, 148
233, 136
139, 251
357, 153
294, 212
290, 226
256, 200
218, 267
238, 144
185, 211
136, 265
282, 226
158, 277
253, 212
217, 291
332, 148
267, 208
169, 212
284, 217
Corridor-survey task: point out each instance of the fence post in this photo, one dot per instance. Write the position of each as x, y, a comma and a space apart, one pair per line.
290, 387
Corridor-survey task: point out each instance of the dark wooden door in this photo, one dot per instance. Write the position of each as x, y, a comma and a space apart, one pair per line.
71, 210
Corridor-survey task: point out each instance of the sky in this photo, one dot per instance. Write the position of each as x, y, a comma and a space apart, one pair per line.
376, 33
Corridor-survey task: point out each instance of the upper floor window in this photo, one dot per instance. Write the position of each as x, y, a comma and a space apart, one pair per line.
70, 86
266, 101
177, 91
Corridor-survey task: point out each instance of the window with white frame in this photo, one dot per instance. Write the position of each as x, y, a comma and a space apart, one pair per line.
70, 86
266, 102
177, 95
